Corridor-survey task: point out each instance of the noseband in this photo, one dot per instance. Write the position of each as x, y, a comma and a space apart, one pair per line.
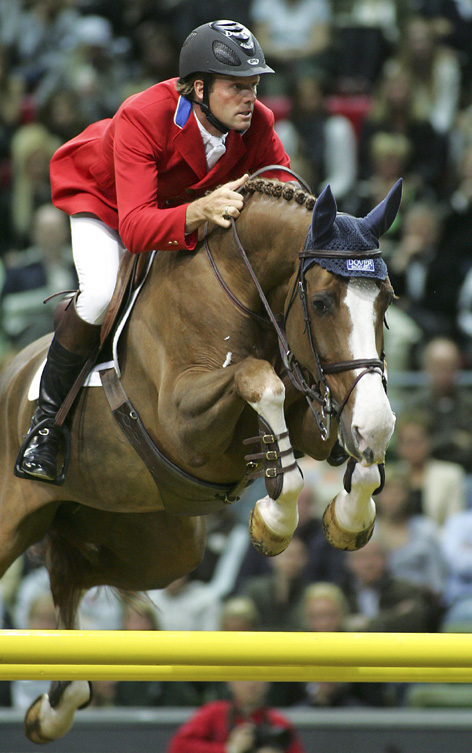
319, 392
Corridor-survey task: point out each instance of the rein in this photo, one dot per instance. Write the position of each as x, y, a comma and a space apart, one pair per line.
319, 392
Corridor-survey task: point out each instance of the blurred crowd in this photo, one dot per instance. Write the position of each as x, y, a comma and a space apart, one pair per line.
365, 92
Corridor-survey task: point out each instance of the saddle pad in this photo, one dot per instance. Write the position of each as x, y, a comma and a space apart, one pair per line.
93, 379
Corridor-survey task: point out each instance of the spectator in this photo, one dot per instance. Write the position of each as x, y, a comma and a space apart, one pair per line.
94, 69
325, 609
394, 110
100, 609
239, 613
437, 487
12, 94
187, 15
278, 594
456, 544
325, 143
32, 147
62, 114
41, 270
227, 540
10, 19
448, 405
390, 155
456, 241
43, 35
434, 69
324, 562
378, 602
141, 615
413, 541
366, 32
187, 605
155, 56
242, 725
292, 33
426, 279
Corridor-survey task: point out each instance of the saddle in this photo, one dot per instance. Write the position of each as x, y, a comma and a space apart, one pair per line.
131, 273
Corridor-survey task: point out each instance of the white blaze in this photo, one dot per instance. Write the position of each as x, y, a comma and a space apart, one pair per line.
372, 417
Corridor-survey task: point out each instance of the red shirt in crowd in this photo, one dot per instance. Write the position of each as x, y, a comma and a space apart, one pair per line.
208, 730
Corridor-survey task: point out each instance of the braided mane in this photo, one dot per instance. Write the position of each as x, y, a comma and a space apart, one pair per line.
280, 190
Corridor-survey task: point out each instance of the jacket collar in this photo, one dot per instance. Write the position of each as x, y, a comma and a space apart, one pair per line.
189, 143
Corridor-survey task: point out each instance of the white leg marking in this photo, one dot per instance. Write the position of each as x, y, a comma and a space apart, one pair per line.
280, 515
55, 722
356, 511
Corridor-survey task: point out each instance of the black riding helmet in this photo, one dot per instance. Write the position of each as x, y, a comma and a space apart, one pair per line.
224, 47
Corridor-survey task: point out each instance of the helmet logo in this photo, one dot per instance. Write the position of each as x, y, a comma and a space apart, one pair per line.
253, 61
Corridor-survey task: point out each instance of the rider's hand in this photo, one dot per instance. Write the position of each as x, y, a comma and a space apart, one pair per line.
241, 739
216, 206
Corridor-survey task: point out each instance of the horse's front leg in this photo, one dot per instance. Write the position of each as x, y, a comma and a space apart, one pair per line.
275, 516
348, 521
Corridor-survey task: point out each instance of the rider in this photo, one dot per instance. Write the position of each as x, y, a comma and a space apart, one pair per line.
127, 181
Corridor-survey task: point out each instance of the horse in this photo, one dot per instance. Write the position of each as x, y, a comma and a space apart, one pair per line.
270, 332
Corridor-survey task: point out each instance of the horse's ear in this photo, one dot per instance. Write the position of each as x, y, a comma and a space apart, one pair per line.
382, 216
324, 215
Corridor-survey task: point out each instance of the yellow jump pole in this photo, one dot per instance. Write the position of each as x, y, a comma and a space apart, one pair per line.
203, 673
235, 649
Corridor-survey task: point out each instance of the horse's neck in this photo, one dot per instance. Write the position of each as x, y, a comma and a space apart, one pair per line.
272, 240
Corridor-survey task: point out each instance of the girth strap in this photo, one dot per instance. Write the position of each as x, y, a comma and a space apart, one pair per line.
181, 493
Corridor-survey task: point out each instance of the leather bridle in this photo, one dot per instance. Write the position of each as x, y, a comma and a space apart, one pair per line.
318, 393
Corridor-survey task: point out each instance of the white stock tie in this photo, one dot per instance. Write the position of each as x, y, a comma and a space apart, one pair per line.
216, 150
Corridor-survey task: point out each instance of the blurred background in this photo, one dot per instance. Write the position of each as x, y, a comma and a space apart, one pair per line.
365, 91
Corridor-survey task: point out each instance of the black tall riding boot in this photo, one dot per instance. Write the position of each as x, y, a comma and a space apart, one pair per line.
70, 348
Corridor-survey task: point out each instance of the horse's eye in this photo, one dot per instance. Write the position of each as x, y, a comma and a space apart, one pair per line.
320, 305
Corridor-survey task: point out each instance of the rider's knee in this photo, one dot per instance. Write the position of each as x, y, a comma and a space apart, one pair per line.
92, 304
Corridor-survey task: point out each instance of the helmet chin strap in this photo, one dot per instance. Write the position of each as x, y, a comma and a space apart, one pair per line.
205, 108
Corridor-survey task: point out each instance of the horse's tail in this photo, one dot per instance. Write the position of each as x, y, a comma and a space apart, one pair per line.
68, 561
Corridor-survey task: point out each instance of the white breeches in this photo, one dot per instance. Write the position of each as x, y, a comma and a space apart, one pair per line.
97, 251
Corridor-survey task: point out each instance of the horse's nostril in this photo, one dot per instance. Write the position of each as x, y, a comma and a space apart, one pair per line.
368, 455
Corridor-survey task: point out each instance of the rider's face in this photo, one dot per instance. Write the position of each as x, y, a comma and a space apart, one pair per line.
232, 100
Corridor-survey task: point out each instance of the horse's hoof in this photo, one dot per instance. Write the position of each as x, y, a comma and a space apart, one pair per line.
33, 723
263, 538
339, 537
51, 715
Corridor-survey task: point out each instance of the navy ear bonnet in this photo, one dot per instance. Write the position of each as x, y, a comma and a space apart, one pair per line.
345, 245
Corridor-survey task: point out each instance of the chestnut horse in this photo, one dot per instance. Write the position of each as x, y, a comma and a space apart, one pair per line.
271, 330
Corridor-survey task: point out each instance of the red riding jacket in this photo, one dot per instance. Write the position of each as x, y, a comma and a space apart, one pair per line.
138, 170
